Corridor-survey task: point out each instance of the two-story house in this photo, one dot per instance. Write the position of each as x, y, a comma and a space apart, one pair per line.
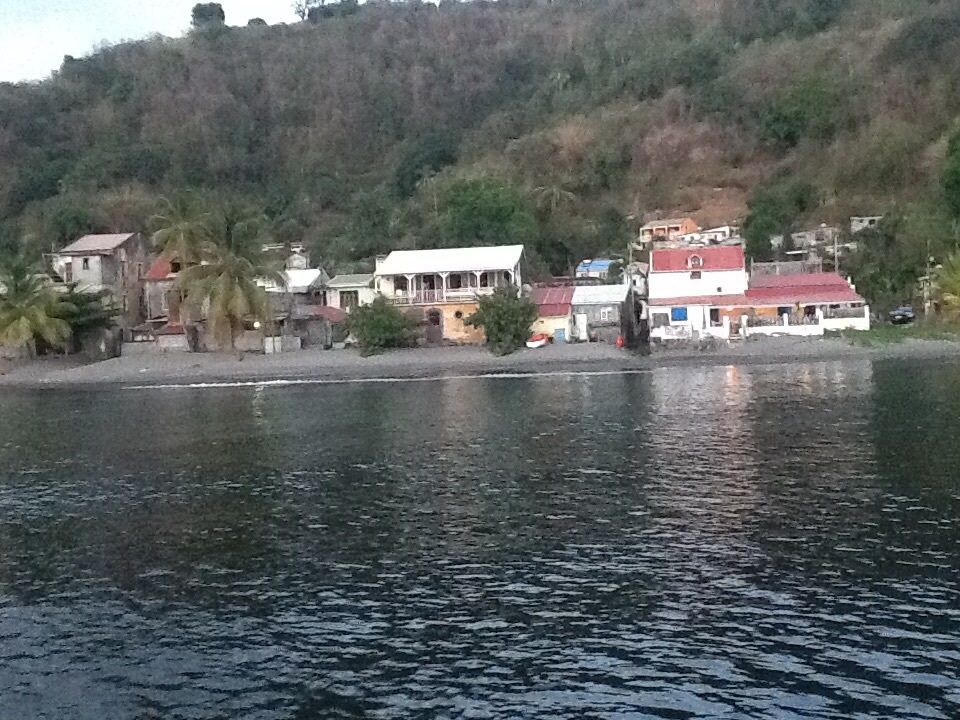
696, 290
445, 284
116, 263
667, 229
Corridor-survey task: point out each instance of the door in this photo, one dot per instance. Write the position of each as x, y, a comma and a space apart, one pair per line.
582, 327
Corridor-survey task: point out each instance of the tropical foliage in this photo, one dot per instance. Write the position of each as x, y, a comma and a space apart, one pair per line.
505, 317
949, 282
380, 326
30, 311
384, 125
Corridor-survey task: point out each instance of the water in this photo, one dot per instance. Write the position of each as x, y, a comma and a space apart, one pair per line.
761, 542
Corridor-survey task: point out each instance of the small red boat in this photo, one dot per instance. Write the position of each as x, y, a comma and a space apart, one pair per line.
538, 340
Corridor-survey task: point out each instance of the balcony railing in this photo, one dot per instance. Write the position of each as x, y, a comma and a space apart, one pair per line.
436, 297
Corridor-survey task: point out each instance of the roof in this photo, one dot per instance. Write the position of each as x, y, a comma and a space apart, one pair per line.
96, 244
600, 294
722, 257
777, 291
668, 221
160, 270
473, 259
300, 281
594, 265
358, 280
801, 289
324, 312
553, 301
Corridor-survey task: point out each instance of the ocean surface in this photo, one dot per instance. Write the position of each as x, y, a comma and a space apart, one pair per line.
721, 542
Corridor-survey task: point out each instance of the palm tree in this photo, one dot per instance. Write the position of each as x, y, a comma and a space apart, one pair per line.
30, 309
225, 284
182, 231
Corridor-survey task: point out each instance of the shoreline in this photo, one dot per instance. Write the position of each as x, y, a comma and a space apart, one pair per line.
176, 369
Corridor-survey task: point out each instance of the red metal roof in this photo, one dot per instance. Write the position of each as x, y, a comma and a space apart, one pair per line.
553, 301
801, 289
794, 280
724, 257
160, 270
331, 314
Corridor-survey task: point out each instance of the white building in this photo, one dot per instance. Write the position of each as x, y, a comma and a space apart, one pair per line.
864, 222
695, 290
713, 236
349, 291
444, 284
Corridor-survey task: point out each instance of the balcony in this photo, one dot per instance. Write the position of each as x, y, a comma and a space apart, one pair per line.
439, 297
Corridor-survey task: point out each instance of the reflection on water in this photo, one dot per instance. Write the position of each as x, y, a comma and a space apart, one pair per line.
697, 542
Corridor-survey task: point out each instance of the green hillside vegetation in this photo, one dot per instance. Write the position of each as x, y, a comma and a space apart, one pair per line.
557, 124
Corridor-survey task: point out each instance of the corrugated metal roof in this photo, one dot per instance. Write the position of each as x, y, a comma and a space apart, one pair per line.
723, 257
669, 221
160, 270
416, 262
95, 244
822, 279
553, 301
357, 280
600, 294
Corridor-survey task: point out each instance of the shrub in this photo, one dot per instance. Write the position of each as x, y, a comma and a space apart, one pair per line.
379, 326
506, 318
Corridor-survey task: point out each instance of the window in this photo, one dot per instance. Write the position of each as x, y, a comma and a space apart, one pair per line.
719, 289
484, 280
661, 320
696, 261
695, 275
86, 264
400, 284
139, 271
349, 299
175, 267
455, 281
678, 314
606, 314
507, 277
68, 272
715, 317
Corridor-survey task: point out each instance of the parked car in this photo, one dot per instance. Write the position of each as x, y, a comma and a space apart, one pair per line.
902, 315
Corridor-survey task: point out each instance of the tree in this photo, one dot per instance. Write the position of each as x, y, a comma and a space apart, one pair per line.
425, 157
379, 326
207, 15
256, 22
29, 309
182, 231
483, 211
86, 311
224, 284
951, 176
773, 211
949, 282
505, 317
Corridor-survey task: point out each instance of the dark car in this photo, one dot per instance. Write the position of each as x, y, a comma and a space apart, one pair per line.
902, 315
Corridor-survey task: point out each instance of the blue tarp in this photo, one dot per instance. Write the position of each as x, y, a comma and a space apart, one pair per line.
678, 314
594, 265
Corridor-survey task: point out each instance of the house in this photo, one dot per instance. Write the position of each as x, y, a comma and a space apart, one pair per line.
443, 285
594, 269
667, 229
554, 312
696, 291
864, 222
116, 263
158, 292
803, 304
726, 234
349, 291
602, 313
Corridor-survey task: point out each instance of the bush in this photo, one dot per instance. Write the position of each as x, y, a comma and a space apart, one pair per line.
506, 318
379, 326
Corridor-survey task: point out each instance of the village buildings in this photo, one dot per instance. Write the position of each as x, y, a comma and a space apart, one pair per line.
667, 229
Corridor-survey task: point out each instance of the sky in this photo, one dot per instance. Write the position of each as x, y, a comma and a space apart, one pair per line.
36, 34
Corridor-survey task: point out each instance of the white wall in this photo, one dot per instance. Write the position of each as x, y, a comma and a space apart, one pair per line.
679, 284
91, 279
365, 295
857, 323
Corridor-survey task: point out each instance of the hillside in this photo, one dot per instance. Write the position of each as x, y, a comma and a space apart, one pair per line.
558, 124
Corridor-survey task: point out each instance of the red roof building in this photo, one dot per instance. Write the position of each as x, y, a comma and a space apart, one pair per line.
800, 289
553, 301
725, 257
